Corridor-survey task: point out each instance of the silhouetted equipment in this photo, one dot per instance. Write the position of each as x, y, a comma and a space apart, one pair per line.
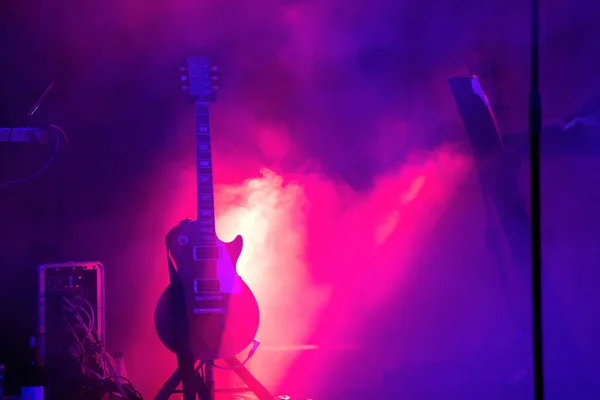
35, 135
497, 168
64, 289
33, 383
477, 115
207, 312
45, 136
71, 332
498, 159
498, 176
579, 135
50, 136
1, 381
20, 135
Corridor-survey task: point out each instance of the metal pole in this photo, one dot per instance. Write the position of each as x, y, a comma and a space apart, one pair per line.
535, 127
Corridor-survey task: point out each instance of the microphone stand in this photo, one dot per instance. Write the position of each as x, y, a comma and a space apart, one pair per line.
535, 128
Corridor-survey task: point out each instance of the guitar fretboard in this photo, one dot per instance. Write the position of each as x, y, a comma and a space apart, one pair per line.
204, 175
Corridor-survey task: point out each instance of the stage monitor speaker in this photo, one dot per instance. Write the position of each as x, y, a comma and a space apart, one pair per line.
63, 288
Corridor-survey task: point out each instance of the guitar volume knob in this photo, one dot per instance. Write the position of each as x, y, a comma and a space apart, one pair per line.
183, 240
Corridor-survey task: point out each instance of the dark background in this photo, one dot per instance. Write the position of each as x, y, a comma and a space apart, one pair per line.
117, 98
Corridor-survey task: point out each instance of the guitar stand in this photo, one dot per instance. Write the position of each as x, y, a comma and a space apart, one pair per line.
206, 384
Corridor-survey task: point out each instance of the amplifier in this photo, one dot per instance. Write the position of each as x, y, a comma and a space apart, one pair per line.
67, 289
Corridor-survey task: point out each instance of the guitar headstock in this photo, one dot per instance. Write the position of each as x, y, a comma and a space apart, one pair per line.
199, 77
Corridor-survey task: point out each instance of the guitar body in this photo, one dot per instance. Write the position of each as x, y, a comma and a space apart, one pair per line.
221, 311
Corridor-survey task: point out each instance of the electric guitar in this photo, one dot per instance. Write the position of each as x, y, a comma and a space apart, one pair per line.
221, 311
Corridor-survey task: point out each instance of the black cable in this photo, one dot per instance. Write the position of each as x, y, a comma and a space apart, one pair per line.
93, 355
58, 132
535, 128
129, 390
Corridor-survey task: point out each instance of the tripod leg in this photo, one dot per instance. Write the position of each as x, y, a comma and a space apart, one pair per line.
169, 387
183, 347
188, 376
246, 376
209, 379
204, 393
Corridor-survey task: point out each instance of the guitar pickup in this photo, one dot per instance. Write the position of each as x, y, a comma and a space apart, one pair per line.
205, 253
207, 286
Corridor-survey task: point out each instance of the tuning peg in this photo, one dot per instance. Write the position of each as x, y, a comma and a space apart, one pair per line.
214, 68
183, 69
183, 78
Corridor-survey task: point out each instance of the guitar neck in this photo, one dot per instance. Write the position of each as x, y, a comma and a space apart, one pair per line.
204, 175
